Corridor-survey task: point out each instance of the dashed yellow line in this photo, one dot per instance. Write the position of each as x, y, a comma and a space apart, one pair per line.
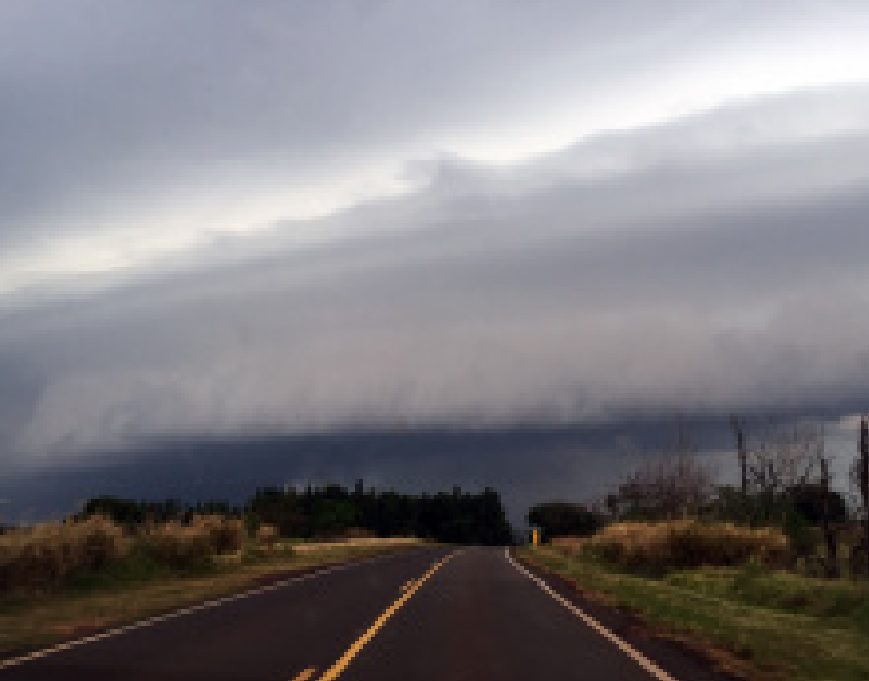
412, 587
305, 674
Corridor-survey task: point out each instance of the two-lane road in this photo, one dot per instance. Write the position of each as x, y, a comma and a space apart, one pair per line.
428, 614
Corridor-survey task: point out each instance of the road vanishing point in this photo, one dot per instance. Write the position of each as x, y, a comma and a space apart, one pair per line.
431, 614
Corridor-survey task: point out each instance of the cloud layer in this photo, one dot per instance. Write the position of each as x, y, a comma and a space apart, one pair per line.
295, 218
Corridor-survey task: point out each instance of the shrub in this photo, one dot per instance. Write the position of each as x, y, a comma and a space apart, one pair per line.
177, 546
657, 546
224, 534
191, 545
267, 535
44, 556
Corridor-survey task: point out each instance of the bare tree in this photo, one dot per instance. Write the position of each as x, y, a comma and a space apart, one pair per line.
832, 564
672, 484
785, 458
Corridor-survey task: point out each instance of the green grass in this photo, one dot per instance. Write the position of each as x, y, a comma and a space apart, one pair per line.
763, 624
135, 588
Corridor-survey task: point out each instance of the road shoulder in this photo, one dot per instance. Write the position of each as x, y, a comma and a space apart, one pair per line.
683, 658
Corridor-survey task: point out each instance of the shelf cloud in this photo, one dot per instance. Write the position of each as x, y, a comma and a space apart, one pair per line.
222, 218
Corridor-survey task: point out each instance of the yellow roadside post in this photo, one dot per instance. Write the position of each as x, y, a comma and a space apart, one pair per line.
535, 536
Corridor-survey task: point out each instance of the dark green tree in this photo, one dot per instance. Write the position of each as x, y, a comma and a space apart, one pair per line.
564, 519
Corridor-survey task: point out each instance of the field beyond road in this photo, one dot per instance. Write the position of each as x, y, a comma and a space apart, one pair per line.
758, 623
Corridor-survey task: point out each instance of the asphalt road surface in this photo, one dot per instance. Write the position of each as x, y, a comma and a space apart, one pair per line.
428, 614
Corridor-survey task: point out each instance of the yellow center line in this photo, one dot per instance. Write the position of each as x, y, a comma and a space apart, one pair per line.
413, 586
305, 674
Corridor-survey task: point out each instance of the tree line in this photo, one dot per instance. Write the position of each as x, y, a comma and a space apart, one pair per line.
333, 511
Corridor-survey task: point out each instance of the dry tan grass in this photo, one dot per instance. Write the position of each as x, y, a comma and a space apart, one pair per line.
359, 542
45, 555
685, 543
567, 545
177, 545
224, 534
267, 535
182, 545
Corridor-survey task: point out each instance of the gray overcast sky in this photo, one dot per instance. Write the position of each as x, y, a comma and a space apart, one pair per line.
224, 216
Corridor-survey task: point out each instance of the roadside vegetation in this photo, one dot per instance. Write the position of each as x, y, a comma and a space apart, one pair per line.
769, 578
757, 622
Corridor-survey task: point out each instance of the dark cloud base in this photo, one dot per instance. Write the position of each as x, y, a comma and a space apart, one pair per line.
526, 464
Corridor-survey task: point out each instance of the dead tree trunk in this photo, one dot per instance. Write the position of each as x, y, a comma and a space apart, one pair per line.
864, 484
832, 567
739, 430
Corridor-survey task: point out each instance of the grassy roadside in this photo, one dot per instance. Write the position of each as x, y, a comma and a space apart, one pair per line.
762, 624
129, 594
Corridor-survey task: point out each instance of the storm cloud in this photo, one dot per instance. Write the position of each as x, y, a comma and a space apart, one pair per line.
221, 218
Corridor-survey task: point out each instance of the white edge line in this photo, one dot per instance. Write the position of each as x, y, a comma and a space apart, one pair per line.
619, 642
206, 605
